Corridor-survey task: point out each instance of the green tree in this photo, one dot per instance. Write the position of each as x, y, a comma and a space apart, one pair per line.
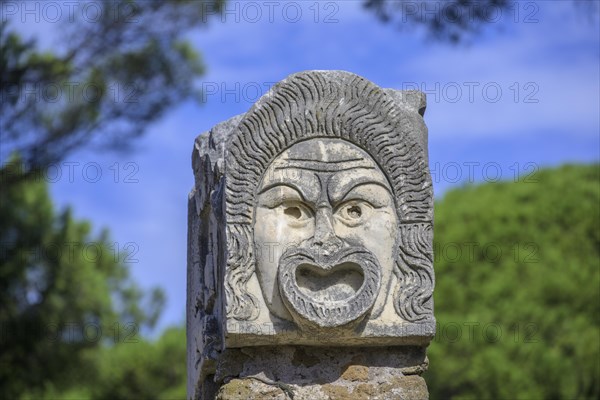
143, 370
518, 289
456, 21
134, 368
62, 290
110, 77
59, 284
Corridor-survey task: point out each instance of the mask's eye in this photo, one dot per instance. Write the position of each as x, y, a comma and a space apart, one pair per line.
293, 212
296, 213
354, 212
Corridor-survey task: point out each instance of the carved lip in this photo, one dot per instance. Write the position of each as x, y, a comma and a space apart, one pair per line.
320, 309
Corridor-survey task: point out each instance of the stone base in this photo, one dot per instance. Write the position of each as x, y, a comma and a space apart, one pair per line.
319, 373
410, 387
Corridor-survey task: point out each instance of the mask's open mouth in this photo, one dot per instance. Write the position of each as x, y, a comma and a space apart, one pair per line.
340, 282
335, 291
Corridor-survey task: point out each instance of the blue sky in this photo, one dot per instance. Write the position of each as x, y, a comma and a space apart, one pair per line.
520, 97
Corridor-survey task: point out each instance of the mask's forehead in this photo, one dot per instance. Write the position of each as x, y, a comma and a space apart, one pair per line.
326, 154
326, 150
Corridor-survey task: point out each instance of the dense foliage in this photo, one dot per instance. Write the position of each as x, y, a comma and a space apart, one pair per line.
447, 20
456, 21
104, 81
63, 292
518, 289
133, 369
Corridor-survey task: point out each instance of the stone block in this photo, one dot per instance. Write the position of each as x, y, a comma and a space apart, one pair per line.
310, 224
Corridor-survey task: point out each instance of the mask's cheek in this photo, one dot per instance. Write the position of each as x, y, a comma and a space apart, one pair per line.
378, 235
273, 235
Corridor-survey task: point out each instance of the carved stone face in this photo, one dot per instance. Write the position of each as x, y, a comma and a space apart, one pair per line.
324, 234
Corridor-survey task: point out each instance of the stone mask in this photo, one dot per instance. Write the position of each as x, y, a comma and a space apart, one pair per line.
325, 235
310, 224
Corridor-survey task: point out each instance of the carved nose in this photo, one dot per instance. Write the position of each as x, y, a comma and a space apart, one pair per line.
325, 238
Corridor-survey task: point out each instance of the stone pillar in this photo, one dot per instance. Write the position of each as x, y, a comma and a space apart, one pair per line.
310, 264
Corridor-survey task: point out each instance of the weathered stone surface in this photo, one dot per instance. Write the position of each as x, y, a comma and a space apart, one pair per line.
410, 387
323, 373
310, 223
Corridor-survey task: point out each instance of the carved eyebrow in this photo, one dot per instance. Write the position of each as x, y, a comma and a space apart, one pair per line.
291, 185
350, 186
